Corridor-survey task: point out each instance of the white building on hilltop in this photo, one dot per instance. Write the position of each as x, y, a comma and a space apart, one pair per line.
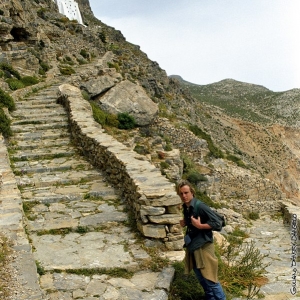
70, 9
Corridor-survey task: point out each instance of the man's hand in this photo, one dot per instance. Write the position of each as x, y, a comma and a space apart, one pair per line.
182, 223
196, 222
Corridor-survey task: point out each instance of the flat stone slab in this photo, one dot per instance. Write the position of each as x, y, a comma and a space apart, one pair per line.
78, 251
143, 285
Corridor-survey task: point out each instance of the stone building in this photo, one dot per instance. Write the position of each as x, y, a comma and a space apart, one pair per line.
70, 9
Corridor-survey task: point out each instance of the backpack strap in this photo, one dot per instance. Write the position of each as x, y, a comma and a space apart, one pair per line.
220, 219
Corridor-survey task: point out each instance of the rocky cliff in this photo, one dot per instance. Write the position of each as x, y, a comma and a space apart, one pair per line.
256, 130
238, 142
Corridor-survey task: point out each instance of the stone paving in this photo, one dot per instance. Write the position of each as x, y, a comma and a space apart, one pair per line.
76, 226
75, 221
273, 238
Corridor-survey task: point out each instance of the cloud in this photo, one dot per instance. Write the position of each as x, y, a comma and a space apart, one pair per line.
207, 41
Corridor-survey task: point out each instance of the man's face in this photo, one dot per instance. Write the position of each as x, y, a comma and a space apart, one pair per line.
186, 194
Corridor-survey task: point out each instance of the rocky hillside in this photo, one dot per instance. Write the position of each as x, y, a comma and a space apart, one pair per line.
241, 138
258, 125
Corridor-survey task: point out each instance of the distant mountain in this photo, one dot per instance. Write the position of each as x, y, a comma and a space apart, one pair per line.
181, 80
248, 101
237, 117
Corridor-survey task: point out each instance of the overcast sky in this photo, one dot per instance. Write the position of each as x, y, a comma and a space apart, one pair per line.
205, 41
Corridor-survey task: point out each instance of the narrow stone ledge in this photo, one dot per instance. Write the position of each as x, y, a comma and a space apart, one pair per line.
138, 180
291, 214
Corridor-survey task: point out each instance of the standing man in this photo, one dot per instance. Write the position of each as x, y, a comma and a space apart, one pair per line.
200, 251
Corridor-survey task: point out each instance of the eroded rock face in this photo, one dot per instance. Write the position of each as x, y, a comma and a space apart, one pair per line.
127, 97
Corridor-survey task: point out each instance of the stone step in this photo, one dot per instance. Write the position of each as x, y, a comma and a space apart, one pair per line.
74, 218
32, 108
44, 126
37, 114
95, 189
36, 101
39, 144
78, 213
61, 164
37, 153
40, 118
55, 178
45, 94
41, 135
29, 105
90, 251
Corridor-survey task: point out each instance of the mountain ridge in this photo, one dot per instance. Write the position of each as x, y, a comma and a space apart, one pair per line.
238, 142
60, 43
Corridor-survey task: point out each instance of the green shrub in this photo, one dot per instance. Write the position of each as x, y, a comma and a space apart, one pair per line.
40, 269
141, 149
114, 65
164, 165
84, 54
239, 233
7, 101
122, 121
44, 66
214, 151
184, 287
66, 70
126, 121
206, 199
85, 95
5, 124
29, 80
253, 215
82, 229
112, 120
188, 164
68, 60
102, 37
241, 267
190, 173
98, 114
194, 177
236, 160
10, 70
81, 61
15, 84
42, 13
41, 71
168, 147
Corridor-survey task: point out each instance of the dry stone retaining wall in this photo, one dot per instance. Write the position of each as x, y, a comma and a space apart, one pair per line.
291, 216
182, 138
151, 196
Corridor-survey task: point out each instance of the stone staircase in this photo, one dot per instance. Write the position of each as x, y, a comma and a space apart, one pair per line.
78, 242
79, 231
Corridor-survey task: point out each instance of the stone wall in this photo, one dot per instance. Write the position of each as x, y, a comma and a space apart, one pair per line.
150, 195
291, 216
181, 138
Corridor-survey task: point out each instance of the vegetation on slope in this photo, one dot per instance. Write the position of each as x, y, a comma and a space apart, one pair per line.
249, 102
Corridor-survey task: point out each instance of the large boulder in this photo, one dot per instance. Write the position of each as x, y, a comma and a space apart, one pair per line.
127, 97
98, 85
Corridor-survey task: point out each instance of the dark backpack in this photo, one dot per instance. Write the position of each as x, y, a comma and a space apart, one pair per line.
221, 218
